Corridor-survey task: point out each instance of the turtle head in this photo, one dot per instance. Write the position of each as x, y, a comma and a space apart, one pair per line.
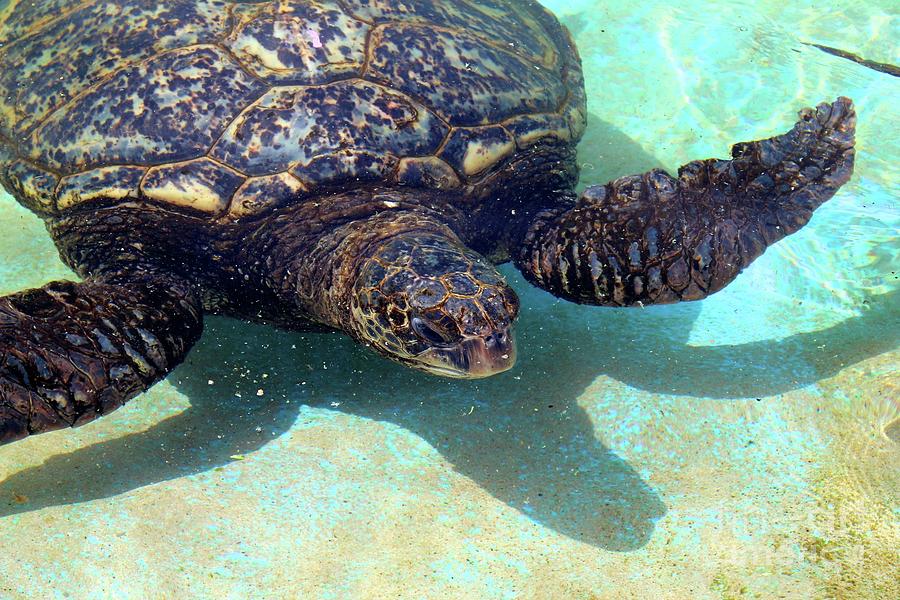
429, 302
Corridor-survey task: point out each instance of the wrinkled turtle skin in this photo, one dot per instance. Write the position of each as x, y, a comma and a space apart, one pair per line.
359, 165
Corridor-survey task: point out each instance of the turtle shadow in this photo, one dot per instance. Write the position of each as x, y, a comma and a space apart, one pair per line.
522, 436
605, 153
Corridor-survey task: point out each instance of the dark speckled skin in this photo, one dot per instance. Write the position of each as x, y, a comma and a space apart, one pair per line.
358, 165
72, 352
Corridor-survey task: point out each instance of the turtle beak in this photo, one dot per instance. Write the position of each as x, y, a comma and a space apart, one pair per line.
473, 357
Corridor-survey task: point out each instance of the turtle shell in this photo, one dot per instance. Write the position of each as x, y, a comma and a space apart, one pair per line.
230, 108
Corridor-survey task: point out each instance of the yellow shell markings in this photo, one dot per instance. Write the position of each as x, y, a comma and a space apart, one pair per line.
473, 151
19, 18
307, 44
111, 126
290, 126
347, 166
106, 183
574, 108
534, 33
251, 49
107, 118
201, 184
8, 119
38, 60
508, 25
575, 114
466, 81
480, 156
187, 193
530, 129
34, 186
243, 13
260, 194
60, 64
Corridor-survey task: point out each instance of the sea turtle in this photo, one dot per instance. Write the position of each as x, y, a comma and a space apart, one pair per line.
359, 165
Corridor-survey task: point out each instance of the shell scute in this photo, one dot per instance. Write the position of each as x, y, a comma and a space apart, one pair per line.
427, 172
19, 18
502, 22
468, 81
262, 194
530, 129
291, 126
346, 166
33, 186
473, 151
232, 108
201, 184
575, 115
107, 183
168, 109
62, 62
300, 43
6, 158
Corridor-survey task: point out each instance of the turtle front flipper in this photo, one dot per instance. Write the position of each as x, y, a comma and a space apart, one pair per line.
71, 352
654, 239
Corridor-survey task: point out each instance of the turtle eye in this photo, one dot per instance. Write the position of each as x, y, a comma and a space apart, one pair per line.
428, 332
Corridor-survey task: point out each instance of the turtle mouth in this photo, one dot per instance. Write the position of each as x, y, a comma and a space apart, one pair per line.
473, 357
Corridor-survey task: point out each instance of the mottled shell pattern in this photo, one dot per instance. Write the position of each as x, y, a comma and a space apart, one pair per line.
230, 109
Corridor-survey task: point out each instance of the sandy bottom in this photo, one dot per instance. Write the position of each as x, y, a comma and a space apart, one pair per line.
742, 447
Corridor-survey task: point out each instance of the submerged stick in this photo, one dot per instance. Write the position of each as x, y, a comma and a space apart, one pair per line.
870, 64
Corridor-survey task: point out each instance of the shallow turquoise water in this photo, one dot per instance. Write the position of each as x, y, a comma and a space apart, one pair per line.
727, 448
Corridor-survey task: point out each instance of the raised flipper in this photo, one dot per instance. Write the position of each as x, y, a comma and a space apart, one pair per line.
654, 239
71, 352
